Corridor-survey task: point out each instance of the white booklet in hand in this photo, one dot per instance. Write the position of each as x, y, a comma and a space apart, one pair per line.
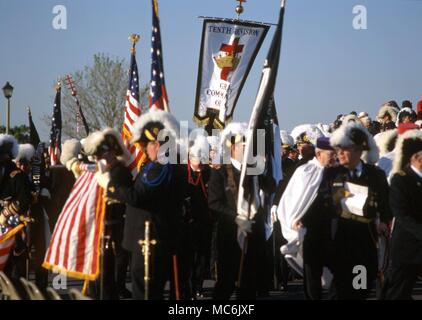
356, 199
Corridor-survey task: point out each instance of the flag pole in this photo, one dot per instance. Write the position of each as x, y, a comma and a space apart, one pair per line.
265, 93
245, 247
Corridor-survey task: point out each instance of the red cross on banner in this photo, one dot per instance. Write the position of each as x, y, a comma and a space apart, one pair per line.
232, 50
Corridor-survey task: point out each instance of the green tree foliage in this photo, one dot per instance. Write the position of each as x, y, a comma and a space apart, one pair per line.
101, 89
21, 133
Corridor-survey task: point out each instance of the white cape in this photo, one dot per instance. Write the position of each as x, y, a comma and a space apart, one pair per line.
299, 195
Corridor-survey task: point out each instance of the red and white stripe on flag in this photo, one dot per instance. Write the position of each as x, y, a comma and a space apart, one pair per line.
74, 248
5, 248
132, 113
7, 241
54, 153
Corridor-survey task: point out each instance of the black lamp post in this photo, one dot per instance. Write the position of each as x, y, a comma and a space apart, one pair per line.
8, 90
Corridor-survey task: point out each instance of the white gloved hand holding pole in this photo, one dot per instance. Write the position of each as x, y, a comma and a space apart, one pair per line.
102, 176
273, 214
245, 225
73, 166
103, 179
3, 219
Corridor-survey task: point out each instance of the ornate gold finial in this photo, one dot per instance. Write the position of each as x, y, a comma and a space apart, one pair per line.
134, 38
239, 8
58, 86
156, 7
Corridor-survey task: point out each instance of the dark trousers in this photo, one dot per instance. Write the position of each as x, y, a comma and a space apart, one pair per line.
400, 281
355, 248
37, 240
185, 256
159, 271
16, 264
317, 252
312, 274
201, 251
115, 264
255, 279
280, 267
228, 260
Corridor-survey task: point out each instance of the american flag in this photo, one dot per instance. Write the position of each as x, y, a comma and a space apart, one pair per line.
132, 113
56, 130
7, 242
158, 94
75, 245
5, 248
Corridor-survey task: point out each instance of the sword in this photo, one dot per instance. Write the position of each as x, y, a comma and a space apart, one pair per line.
146, 252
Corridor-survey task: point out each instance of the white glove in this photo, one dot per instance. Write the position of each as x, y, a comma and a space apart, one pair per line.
245, 225
273, 214
45, 193
103, 179
70, 163
102, 165
73, 165
3, 219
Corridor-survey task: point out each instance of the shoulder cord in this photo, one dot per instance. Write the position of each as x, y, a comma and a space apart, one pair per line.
198, 180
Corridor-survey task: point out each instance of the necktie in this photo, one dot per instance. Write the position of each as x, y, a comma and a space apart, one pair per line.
355, 174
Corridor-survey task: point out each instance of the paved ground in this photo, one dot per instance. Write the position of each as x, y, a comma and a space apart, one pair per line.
295, 290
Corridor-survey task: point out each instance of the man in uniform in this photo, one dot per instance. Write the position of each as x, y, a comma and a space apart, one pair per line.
107, 148
406, 204
222, 201
355, 233
197, 223
303, 206
15, 197
387, 115
37, 233
148, 198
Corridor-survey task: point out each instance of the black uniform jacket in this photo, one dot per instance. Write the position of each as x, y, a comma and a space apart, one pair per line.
378, 190
149, 198
15, 188
406, 204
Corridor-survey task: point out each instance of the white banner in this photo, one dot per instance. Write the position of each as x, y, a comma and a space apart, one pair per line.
228, 50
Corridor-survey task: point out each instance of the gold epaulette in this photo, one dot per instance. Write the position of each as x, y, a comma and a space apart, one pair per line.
13, 208
14, 173
401, 173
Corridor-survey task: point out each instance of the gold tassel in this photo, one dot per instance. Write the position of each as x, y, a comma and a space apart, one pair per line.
85, 287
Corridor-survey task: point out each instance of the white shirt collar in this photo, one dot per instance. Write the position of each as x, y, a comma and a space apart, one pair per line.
417, 171
236, 164
358, 169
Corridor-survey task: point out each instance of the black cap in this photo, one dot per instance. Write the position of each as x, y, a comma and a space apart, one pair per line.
359, 138
406, 104
151, 131
109, 143
323, 143
410, 147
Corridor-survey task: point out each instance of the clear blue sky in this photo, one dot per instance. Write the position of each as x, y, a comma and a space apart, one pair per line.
326, 68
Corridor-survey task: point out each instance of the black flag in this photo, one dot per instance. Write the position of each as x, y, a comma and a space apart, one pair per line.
262, 173
82, 116
34, 138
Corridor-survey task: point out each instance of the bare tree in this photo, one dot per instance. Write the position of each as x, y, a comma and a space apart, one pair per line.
101, 89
